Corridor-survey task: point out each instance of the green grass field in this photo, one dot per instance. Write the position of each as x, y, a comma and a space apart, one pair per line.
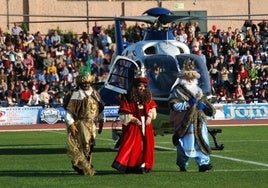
38, 159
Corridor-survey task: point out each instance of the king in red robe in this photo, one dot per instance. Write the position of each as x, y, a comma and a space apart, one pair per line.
137, 110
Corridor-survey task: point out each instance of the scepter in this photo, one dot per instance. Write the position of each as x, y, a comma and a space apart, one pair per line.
143, 133
143, 125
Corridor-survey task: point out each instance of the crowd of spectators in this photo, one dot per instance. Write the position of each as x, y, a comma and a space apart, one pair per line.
40, 69
235, 58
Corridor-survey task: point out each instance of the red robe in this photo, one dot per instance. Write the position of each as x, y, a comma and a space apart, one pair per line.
135, 149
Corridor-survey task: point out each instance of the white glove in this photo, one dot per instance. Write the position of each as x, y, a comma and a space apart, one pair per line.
179, 106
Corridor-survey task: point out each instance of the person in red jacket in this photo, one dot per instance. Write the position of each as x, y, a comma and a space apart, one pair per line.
243, 73
25, 95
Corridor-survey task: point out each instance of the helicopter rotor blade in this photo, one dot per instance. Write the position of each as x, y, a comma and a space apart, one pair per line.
165, 19
63, 21
58, 16
146, 19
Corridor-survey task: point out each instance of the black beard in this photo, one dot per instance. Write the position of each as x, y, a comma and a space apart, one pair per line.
141, 98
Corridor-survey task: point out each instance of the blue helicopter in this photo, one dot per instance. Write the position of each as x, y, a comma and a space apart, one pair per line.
159, 53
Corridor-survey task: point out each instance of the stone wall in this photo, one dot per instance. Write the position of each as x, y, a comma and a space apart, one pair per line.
114, 8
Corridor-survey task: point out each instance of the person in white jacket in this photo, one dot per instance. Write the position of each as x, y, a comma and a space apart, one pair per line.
34, 99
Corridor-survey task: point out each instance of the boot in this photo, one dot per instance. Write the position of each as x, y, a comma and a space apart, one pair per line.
78, 170
183, 169
204, 168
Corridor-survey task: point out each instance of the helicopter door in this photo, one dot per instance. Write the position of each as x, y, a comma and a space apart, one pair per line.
162, 73
121, 74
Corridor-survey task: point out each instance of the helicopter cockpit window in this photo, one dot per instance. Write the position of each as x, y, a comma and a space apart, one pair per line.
122, 74
162, 73
181, 50
150, 50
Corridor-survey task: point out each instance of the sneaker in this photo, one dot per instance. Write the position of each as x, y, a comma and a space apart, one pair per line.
204, 168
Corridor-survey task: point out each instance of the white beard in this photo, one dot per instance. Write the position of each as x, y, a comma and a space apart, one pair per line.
191, 86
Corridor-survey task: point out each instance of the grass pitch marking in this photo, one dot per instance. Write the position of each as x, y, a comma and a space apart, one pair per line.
217, 156
240, 160
223, 157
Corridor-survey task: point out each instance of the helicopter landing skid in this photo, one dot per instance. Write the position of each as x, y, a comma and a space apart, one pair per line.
213, 133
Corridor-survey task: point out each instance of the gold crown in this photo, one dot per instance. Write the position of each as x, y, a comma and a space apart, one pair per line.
189, 71
140, 76
87, 78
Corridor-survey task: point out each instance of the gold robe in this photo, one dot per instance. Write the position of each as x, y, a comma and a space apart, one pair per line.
83, 110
